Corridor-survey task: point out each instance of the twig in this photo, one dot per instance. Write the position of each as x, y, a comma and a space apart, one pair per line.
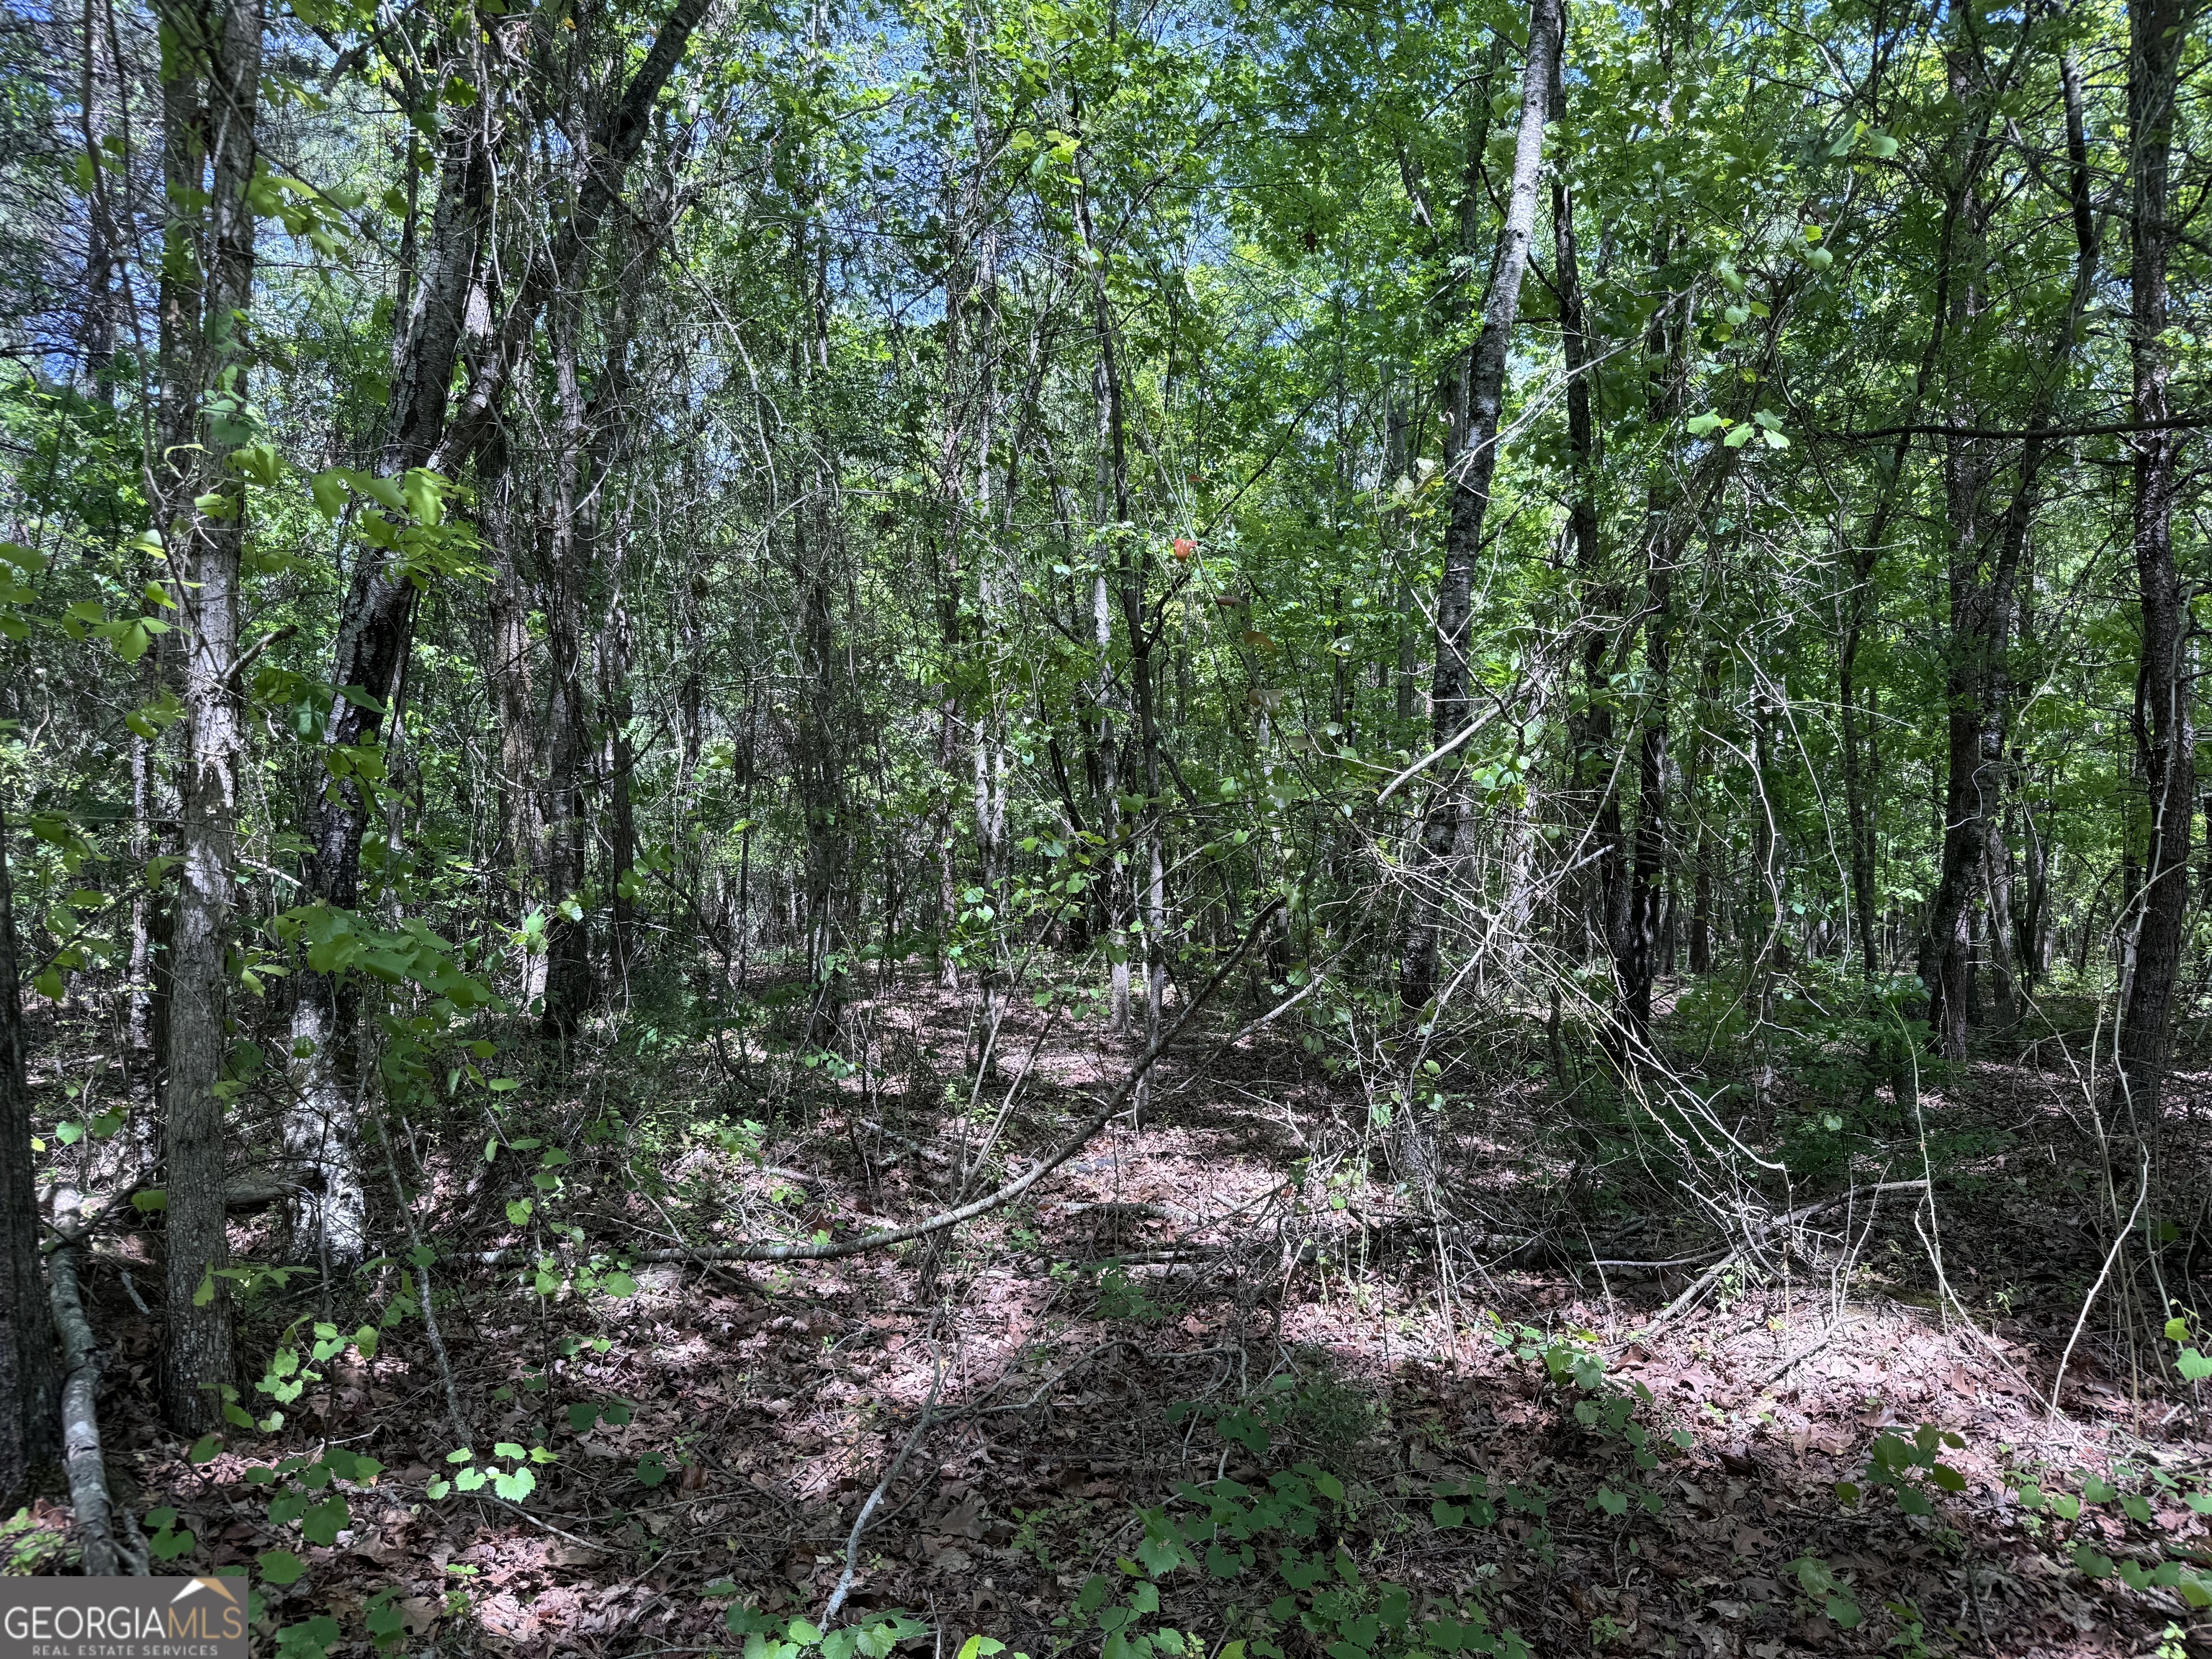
1690, 1297
539, 1521
422, 1258
2089, 1301
1834, 1330
861, 1522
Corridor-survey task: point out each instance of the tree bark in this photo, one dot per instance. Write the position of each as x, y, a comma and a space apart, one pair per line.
566, 557
2164, 691
1983, 566
27, 1380
1590, 726
204, 547
1474, 462
375, 629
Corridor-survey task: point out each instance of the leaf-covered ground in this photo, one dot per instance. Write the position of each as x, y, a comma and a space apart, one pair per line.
1396, 1354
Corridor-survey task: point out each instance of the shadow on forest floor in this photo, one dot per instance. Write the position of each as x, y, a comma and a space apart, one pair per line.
767, 1401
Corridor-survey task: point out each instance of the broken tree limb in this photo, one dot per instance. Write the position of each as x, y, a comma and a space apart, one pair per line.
890, 1479
107, 1552
836, 1249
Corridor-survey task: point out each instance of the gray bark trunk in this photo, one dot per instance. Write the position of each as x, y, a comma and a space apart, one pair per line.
1474, 460
204, 549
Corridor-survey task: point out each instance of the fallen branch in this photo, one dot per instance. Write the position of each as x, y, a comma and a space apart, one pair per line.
109, 1551
836, 1249
1756, 1232
891, 1476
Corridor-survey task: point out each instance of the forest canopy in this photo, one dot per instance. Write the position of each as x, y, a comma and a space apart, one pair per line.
695, 638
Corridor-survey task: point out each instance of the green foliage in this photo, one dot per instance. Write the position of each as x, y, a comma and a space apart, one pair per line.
1911, 1468
1829, 1591
768, 1636
1274, 1538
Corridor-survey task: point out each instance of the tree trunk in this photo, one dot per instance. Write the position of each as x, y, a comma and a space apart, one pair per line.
1666, 345
1982, 569
566, 556
1111, 513
2164, 688
614, 649
204, 546
375, 629
1472, 462
1590, 725
513, 700
2004, 979
27, 1377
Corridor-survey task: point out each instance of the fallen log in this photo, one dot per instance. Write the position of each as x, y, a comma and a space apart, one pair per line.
110, 1551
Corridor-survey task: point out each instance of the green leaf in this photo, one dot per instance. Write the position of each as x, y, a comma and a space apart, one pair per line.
2194, 1365
311, 1640
2093, 1562
282, 1567
324, 1523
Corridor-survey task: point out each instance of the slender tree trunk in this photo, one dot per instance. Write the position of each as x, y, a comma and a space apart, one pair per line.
1474, 461
1590, 726
1112, 514
567, 554
513, 700
2165, 691
30, 1425
994, 585
205, 542
614, 649
819, 737
375, 629
1983, 566
2003, 978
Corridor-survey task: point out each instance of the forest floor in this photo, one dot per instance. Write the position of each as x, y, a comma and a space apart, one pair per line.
1246, 1251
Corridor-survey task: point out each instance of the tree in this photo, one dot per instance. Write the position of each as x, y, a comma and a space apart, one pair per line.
213, 71
1471, 462
30, 1429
